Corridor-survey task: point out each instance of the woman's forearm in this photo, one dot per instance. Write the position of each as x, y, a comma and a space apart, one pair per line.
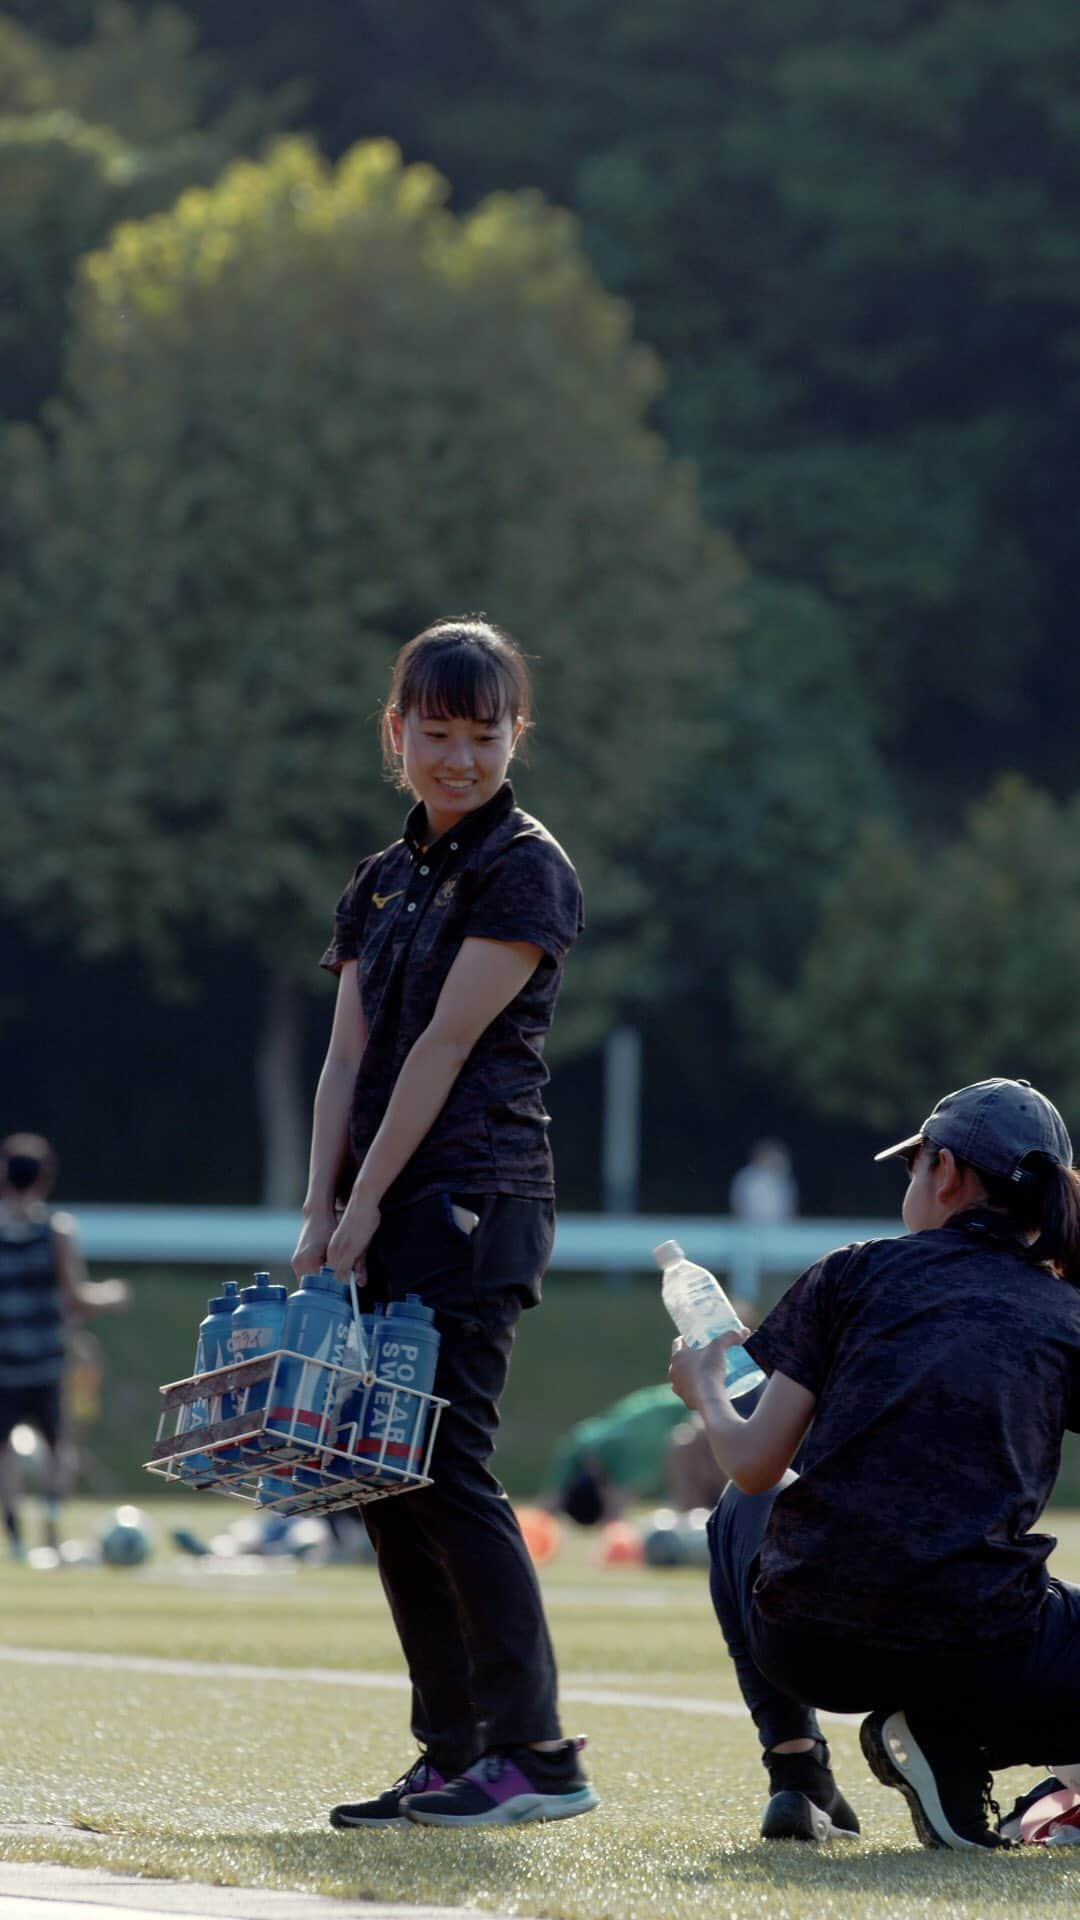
420, 1093
329, 1132
735, 1447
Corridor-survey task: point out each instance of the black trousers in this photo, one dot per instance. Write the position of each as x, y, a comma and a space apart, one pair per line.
456, 1571
38, 1407
1020, 1702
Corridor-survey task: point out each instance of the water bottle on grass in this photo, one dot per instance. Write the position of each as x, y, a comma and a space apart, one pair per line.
701, 1310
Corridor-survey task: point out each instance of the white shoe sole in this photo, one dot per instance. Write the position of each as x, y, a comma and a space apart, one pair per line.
519, 1812
898, 1761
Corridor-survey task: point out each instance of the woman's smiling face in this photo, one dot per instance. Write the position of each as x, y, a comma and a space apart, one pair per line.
453, 765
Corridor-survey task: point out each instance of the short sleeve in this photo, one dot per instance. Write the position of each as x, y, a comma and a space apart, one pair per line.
798, 1336
348, 920
529, 892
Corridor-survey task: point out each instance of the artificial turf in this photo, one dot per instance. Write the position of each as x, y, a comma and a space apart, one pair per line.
226, 1776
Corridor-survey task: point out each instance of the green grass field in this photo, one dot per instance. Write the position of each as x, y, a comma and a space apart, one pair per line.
218, 1775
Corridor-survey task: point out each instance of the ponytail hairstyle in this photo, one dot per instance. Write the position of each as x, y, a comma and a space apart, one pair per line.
1056, 1204
1044, 1200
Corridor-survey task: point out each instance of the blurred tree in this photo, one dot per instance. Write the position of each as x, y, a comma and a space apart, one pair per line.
109, 128
304, 412
850, 232
934, 968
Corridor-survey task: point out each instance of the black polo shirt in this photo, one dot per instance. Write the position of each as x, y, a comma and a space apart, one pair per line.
497, 875
946, 1367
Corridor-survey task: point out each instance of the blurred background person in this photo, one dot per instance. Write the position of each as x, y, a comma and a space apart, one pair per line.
764, 1192
642, 1447
44, 1290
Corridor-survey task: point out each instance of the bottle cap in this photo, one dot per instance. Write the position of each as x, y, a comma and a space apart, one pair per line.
412, 1308
667, 1253
261, 1292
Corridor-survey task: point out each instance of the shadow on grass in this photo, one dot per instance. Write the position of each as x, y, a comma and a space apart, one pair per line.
1034, 1875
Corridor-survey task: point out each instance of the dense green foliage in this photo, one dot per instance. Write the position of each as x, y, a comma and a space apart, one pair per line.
923, 971
303, 409
91, 134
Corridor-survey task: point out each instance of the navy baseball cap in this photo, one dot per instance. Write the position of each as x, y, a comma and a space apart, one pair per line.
994, 1125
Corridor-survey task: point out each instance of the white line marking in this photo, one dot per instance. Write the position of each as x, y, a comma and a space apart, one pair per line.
571, 1691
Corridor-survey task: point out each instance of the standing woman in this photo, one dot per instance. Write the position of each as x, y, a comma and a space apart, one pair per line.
449, 948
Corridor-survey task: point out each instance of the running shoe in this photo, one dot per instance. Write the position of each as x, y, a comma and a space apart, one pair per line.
805, 1802
942, 1775
509, 1788
385, 1809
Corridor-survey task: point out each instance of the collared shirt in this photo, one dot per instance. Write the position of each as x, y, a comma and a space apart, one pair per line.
497, 875
946, 1367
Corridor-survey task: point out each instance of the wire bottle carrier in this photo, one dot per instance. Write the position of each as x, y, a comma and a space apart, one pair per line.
344, 1435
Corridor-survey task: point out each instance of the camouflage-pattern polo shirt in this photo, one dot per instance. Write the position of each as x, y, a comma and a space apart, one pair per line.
497, 875
946, 1367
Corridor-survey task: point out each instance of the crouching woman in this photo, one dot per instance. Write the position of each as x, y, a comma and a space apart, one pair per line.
929, 1380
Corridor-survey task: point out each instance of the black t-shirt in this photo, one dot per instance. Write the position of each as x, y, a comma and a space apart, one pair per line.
946, 1367
497, 875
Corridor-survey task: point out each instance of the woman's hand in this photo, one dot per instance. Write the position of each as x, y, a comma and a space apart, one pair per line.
354, 1233
315, 1237
697, 1373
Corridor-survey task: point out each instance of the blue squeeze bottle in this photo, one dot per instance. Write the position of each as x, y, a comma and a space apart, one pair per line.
701, 1310
406, 1347
317, 1322
211, 1351
325, 1471
256, 1331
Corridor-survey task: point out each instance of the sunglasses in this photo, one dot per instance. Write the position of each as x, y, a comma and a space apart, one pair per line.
909, 1158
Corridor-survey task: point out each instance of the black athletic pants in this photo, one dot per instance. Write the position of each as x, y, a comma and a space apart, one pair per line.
456, 1571
39, 1407
1020, 1703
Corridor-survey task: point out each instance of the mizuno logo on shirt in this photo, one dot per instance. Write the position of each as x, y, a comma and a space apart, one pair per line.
383, 899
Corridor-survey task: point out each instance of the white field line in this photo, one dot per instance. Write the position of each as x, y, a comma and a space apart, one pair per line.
216, 1670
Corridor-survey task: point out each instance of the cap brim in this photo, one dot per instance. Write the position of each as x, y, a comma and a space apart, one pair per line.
901, 1147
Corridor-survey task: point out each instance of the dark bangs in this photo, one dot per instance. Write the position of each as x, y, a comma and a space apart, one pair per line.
457, 681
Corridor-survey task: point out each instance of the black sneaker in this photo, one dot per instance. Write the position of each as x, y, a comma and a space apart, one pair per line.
385, 1809
942, 1776
509, 1788
805, 1802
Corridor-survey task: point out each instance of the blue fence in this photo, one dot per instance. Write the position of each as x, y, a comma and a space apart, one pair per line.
584, 1242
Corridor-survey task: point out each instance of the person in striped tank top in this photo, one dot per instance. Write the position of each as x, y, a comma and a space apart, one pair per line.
43, 1287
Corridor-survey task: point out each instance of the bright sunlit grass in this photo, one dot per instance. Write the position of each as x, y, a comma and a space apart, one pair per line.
228, 1778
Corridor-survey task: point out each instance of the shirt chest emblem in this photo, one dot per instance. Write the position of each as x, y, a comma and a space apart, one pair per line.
382, 900
446, 892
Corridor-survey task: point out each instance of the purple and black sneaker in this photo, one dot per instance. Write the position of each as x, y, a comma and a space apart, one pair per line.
385, 1809
509, 1788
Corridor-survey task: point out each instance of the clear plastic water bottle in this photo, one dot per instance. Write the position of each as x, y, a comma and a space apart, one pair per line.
701, 1310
